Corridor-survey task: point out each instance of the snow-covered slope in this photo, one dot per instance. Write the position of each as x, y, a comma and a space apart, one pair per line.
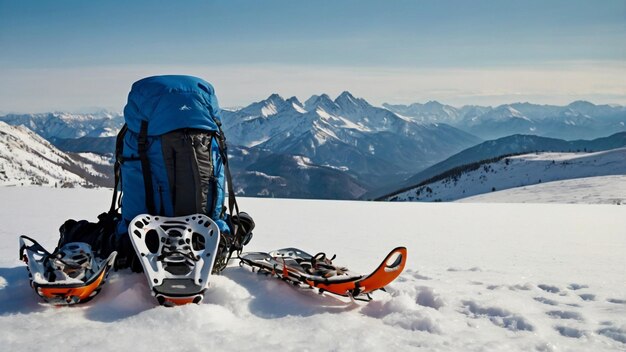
586, 190
515, 144
27, 158
517, 171
479, 277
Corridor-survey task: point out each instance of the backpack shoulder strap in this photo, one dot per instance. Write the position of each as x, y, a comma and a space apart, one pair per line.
142, 144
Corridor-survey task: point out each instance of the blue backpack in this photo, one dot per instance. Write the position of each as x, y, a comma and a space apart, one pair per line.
171, 156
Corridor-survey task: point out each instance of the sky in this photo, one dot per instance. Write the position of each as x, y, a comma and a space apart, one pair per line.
76, 55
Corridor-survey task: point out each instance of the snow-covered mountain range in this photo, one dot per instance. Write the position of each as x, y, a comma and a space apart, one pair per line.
68, 125
346, 148
580, 119
515, 171
27, 158
372, 144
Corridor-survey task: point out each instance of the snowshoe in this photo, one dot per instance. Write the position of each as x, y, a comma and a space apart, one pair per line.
318, 271
177, 255
69, 275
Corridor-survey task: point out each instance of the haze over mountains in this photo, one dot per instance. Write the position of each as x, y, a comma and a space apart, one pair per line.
346, 148
69, 125
578, 120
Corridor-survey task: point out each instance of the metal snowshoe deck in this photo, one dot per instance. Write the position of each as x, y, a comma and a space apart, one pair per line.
177, 255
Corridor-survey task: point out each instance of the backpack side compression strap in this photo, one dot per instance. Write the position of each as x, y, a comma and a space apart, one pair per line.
233, 207
119, 145
142, 144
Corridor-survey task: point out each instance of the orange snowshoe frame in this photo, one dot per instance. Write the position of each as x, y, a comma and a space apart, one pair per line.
296, 266
61, 292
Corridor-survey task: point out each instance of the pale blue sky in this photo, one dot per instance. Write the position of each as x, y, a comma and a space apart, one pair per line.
72, 54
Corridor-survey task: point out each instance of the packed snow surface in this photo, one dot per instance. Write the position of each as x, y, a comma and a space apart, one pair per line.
479, 277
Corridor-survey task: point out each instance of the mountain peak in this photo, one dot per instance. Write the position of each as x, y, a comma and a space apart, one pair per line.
346, 94
345, 98
581, 103
320, 101
347, 101
275, 98
294, 100
433, 103
296, 104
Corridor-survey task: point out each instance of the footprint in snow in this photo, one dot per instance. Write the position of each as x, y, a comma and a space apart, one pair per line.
521, 287
402, 311
569, 332
428, 298
575, 286
474, 269
562, 314
416, 275
498, 316
587, 297
616, 301
421, 277
549, 288
614, 333
546, 301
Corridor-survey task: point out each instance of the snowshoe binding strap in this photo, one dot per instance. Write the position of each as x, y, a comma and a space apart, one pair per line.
177, 255
317, 265
69, 275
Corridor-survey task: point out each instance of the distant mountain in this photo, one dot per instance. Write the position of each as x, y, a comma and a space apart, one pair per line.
68, 125
516, 144
432, 112
515, 171
98, 145
579, 119
27, 158
374, 144
258, 172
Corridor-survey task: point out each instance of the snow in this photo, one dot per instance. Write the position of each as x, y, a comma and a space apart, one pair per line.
521, 171
302, 161
298, 108
269, 110
587, 190
98, 158
90, 169
264, 175
26, 158
479, 277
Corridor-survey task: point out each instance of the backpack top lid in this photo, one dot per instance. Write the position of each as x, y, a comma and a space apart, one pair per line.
172, 102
